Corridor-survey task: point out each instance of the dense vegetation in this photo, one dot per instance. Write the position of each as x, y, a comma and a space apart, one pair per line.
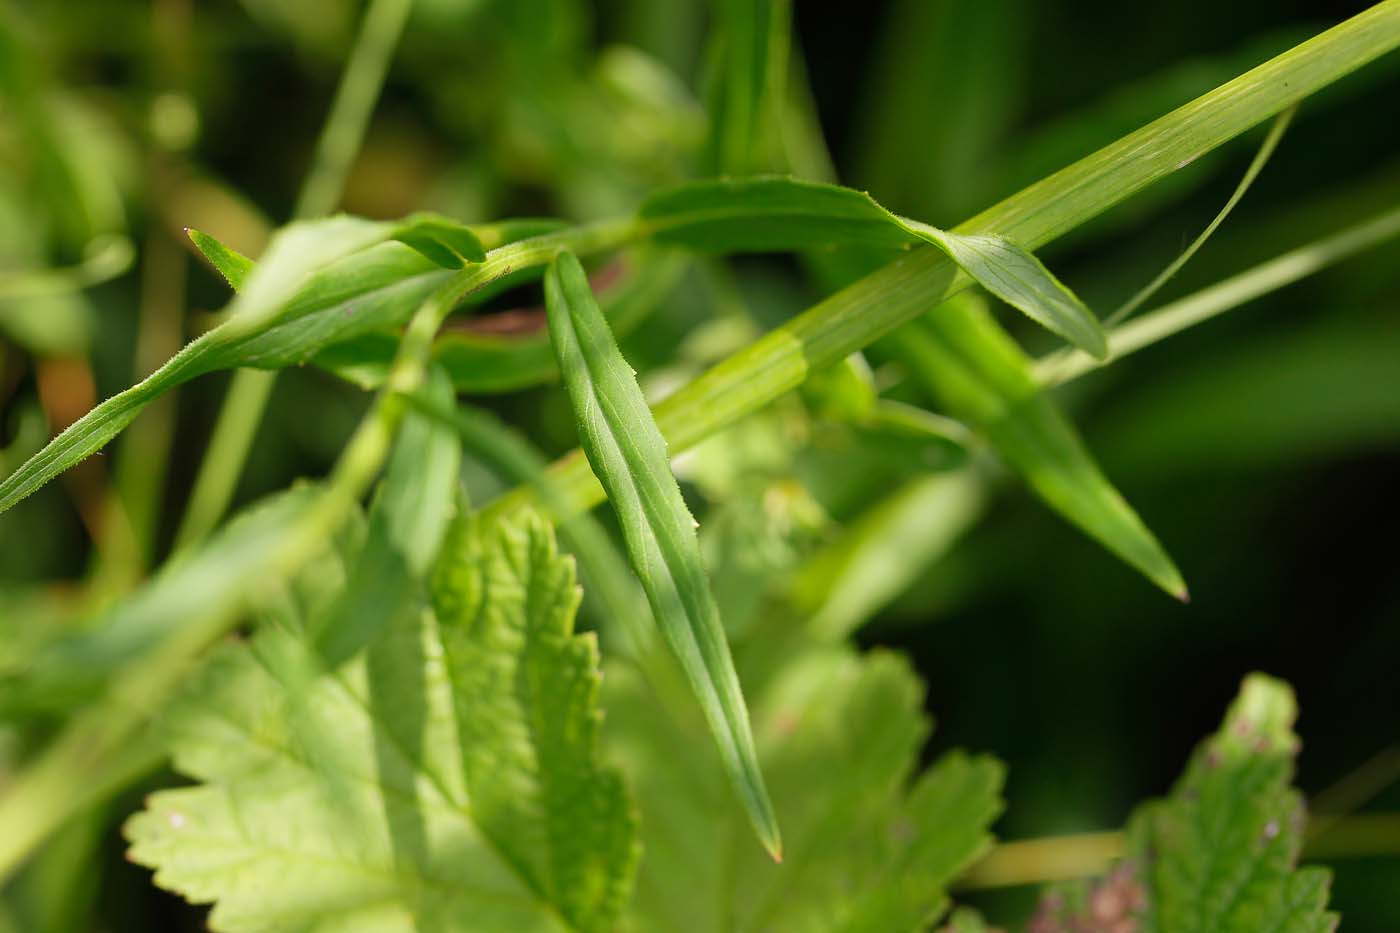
578, 531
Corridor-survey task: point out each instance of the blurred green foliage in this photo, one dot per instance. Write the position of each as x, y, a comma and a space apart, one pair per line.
1261, 448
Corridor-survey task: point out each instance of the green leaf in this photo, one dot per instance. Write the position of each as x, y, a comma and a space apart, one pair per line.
446, 242
883, 551
288, 307
504, 450
628, 455
1220, 854
76, 667
860, 313
964, 359
749, 59
228, 262
469, 797
771, 214
867, 847
410, 514
481, 362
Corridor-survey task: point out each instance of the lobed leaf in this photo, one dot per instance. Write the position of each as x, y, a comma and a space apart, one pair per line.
628, 455
1220, 853
867, 847
508, 453
960, 354
468, 792
770, 214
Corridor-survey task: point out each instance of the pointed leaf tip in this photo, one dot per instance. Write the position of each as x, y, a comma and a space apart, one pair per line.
628, 454
229, 263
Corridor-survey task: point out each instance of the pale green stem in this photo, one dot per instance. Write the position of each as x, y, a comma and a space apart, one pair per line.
861, 313
250, 389
1261, 158
1086, 855
1061, 367
242, 409
350, 111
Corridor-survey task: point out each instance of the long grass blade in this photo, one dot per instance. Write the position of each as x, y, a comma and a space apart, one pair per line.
982, 376
862, 312
770, 213
628, 454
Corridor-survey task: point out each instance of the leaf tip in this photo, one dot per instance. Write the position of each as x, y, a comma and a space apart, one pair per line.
1097, 345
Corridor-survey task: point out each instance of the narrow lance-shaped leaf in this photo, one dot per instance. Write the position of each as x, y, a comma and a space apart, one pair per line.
277, 318
628, 454
772, 214
983, 377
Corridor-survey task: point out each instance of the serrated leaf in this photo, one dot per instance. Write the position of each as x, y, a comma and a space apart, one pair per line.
867, 848
1220, 854
984, 379
770, 214
628, 454
469, 793
607, 579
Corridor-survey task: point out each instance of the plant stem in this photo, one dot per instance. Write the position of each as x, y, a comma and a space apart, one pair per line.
1084, 855
1261, 158
1038, 861
350, 111
1059, 368
242, 409
860, 313
250, 389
